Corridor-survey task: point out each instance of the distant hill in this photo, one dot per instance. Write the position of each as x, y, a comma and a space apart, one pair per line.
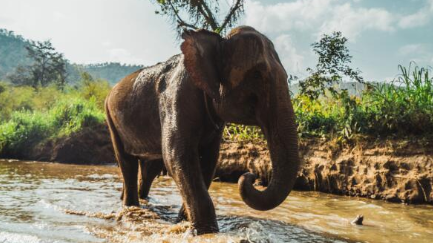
13, 53
111, 71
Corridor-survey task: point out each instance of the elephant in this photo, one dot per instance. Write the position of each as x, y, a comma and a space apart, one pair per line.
174, 113
149, 170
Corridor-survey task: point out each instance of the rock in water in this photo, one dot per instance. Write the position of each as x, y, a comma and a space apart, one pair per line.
358, 220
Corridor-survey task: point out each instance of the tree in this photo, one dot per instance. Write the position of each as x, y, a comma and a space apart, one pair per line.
331, 68
200, 14
20, 77
48, 65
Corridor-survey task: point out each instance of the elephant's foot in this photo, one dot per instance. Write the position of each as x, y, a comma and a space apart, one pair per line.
130, 198
131, 202
181, 215
143, 192
206, 229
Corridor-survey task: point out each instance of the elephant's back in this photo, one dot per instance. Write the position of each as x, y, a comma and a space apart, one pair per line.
133, 108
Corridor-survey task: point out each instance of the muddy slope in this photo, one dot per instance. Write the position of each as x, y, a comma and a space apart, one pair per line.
89, 146
394, 170
397, 171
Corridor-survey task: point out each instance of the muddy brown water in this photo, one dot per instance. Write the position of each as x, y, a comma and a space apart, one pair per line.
48, 202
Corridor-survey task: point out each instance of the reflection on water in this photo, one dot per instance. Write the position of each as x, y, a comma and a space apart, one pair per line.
44, 202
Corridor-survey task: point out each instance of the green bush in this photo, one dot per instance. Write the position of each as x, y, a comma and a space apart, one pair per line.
30, 116
71, 115
22, 131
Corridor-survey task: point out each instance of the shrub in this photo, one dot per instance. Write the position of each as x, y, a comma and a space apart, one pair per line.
22, 131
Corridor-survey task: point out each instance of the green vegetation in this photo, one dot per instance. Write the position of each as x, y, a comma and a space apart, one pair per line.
403, 107
48, 66
400, 108
42, 110
202, 14
29, 116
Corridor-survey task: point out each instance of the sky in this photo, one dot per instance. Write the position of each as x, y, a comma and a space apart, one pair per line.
382, 34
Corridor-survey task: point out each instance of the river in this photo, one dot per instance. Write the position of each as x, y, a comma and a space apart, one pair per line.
49, 202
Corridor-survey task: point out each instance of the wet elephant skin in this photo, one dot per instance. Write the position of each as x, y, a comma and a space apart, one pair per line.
173, 113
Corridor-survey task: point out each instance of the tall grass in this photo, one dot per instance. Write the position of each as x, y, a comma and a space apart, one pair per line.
405, 106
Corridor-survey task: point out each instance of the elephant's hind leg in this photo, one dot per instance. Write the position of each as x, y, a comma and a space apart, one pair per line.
128, 165
148, 171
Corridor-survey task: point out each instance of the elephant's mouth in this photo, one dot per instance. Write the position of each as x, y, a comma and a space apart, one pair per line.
238, 109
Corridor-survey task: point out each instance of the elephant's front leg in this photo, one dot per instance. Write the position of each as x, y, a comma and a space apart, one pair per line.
209, 154
182, 161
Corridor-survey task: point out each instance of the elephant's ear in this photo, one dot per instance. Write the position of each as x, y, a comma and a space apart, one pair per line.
201, 53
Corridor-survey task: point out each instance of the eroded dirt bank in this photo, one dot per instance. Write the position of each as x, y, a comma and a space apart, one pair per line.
89, 146
394, 170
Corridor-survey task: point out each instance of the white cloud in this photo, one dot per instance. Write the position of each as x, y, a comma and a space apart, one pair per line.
419, 53
298, 15
353, 21
325, 16
289, 55
123, 56
318, 17
420, 18
106, 43
410, 49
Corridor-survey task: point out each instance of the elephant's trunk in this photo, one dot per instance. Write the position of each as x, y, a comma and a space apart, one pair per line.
277, 120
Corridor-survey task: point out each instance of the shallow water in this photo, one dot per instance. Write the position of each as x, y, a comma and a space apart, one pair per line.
46, 202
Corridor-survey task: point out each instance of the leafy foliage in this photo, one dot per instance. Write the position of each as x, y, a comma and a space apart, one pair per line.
200, 14
235, 132
332, 67
48, 66
29, 116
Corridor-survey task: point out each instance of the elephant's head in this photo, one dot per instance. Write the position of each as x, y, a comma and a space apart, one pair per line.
243, 74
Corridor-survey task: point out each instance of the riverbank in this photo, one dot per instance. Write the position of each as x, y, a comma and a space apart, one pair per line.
393, 170
91, 146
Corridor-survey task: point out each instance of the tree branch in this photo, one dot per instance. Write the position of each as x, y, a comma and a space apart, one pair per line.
205, 11
231, 13
180, 21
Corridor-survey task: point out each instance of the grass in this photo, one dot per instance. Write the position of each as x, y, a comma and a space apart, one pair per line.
403, 107
32, 116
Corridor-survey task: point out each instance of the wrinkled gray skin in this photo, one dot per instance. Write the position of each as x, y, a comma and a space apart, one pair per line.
160, 112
